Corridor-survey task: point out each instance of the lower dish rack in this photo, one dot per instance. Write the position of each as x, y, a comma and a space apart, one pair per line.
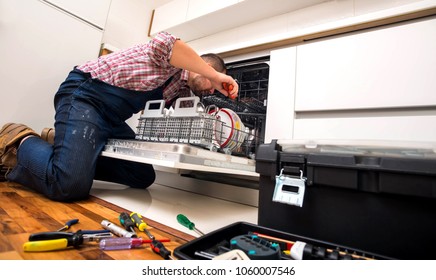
189, 123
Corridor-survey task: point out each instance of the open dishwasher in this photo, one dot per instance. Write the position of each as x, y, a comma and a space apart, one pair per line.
204, 135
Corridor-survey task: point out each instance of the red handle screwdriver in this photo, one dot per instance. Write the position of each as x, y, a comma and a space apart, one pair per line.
160, 249
155, 244
228, 88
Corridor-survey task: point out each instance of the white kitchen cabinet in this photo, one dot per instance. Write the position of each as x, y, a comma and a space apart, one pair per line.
372, 85
414, 127
195, 19
94, 12
169, 15
198, 8
180, 16
390, 67
281, 94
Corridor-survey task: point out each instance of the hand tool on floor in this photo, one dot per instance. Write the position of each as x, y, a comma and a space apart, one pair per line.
184, 221
68, 224
155, 244
140, 224
122, 243
96, 231
160, 249
50, 241
119, 231
127, 223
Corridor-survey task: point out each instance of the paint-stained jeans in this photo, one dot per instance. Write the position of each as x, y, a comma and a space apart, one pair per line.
88, 112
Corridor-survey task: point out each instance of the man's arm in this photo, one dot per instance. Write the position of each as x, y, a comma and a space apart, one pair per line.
185, 57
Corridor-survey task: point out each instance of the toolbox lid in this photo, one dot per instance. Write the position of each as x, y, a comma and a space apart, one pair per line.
391, 167
403, 149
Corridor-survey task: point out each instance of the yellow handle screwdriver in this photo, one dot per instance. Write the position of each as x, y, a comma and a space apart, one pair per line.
140, 224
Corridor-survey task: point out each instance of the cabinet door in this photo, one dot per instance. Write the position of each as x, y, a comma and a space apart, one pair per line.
386, 68
413, 127
169, 15
281, 94
194, 19
95, 11
198, 8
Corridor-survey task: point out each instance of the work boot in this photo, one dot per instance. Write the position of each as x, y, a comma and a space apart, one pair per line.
48, 135
11, 135
3, 171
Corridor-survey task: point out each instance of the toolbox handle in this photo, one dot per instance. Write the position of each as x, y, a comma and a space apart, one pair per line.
154, 111
192, 101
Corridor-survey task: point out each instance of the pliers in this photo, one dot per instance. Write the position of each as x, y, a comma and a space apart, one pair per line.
50, 241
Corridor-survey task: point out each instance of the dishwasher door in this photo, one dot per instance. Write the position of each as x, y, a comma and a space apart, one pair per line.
179, 156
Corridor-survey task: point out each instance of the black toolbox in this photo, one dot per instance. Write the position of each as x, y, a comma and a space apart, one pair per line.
377, 198
219, 242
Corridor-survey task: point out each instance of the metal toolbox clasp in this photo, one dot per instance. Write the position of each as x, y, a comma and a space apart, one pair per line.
289, 189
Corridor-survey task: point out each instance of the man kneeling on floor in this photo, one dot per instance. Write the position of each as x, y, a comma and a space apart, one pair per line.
92, 105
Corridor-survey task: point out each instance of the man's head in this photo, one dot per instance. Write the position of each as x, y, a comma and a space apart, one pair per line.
215, 61
201, 85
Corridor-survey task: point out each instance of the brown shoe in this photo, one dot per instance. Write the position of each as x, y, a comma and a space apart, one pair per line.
48, 135
11, 135
3, 171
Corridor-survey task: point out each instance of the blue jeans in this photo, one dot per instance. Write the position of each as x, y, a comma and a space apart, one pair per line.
88, 112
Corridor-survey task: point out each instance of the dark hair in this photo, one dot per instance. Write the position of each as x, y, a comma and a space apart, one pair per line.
215, 61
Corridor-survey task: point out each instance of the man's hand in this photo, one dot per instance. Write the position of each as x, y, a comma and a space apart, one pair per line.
226, 85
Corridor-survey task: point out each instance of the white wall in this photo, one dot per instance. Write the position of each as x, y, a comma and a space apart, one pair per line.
39, 46
128, 22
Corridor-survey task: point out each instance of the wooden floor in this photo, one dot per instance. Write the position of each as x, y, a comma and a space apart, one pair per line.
23, 212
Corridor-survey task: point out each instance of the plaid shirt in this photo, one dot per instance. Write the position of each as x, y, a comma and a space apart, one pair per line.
142, 67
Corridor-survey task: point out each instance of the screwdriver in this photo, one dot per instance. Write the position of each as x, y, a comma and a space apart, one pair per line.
121, 243
155, 245
228, 87
69, 224
140, 224
160, 249
116, 229
127, 223
184, 221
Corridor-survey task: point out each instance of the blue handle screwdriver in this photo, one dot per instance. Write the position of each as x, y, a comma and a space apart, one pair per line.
69, 224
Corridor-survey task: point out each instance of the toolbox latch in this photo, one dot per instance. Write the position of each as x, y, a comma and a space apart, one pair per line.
289, 189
